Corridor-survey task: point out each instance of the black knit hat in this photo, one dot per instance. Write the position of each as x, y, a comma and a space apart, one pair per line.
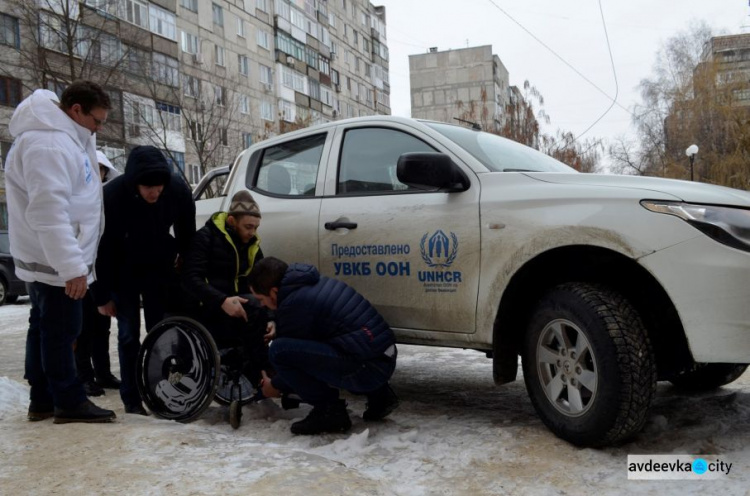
149, 166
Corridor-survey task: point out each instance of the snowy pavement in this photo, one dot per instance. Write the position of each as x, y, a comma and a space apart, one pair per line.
454, 434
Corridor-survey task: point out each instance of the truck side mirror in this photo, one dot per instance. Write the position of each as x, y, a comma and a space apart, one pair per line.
430, 171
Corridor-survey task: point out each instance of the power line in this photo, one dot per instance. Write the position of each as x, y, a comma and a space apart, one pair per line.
614, 73
560, 57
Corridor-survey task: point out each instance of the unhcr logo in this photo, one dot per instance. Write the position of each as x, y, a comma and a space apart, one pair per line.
439, 250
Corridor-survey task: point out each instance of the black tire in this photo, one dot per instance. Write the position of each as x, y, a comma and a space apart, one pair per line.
707, 376
235, 414
11, 298
587, 346
177, 369
3, 291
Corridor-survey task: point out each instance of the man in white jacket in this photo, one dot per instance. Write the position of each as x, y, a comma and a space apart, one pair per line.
55, 220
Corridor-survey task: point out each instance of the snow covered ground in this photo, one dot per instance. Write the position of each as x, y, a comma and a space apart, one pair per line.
454, 434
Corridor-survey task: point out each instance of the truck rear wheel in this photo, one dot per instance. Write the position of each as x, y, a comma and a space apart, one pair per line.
588, 365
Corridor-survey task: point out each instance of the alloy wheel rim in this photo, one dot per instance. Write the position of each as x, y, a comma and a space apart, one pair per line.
567, 367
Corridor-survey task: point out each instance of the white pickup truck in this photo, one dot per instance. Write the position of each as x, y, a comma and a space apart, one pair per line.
602, 284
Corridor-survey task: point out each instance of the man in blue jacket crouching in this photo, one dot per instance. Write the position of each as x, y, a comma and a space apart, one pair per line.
327, 337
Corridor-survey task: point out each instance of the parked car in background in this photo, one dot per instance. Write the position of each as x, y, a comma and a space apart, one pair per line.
602, 284
10, 286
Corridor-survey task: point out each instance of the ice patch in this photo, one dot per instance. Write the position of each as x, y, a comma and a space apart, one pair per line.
14, 398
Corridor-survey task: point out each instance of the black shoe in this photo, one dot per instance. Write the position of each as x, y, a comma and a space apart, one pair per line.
85, 412
332, 417
136, 409
380, 403
93, 389
40, 411
108, 381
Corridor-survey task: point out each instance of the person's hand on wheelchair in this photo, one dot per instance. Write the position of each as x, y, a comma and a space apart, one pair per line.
232, 306
270, 332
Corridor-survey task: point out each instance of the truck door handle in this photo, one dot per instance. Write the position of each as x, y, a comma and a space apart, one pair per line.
332, 226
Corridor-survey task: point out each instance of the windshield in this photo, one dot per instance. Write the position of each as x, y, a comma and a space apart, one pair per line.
499, 154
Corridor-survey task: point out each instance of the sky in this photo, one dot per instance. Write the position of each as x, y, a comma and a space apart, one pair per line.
571, 28
455, 433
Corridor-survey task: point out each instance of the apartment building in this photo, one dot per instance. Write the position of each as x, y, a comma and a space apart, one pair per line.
199, 79
470, 84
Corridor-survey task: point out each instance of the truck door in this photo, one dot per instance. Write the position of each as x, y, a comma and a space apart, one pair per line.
413, 254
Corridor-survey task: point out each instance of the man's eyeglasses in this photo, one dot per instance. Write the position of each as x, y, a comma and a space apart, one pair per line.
98, 122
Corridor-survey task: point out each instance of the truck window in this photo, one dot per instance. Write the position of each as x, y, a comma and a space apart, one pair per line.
291, 168
369, 157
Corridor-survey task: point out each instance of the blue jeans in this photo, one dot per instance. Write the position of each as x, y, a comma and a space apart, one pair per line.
50, 368
128, 304
316, 371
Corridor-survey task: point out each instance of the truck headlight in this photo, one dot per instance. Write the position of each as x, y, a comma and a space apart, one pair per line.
727, 225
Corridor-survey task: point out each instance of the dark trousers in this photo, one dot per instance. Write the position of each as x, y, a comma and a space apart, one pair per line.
247, 337
92, 347
128, 303
316, 371
54, 325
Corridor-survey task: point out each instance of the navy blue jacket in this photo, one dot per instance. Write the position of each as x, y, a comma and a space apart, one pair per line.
318, 308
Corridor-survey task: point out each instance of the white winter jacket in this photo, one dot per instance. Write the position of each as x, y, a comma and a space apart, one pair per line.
54, 193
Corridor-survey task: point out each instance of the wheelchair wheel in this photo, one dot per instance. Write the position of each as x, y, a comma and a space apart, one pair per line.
235, 414
224, 394
177, 369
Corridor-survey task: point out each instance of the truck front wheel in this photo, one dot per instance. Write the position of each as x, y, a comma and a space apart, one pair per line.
588, 365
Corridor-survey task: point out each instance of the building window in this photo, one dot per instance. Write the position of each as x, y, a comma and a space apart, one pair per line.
247, 140
189, 43
194, 173
218, 15
135, 12
224, 136
244, 104
51, 32
326, 95
244, 64
175, 159
266, 76
334, 76
165, 70
137, 61
10, 91
314, 89
325, 67
294, 80
287, 111
191, 5
9, 33
219, 55
196, 131
170, 116
263, 39
240, 27
163, 22
220, 96
261, 5
98, 47
266, 110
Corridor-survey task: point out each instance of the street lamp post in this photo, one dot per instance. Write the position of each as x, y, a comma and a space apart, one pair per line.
691, 152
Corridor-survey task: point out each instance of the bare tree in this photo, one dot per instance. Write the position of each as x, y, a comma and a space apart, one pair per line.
64, 40
691, 99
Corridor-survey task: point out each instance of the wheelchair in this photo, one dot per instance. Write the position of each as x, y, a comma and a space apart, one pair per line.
180, 371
